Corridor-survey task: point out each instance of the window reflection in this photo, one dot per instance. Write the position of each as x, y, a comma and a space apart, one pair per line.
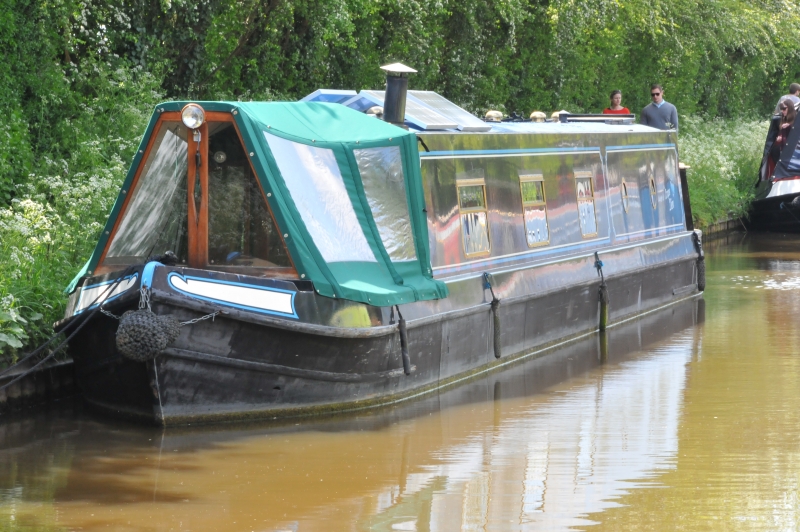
381, 172
625, 198
653, 193
534, 208
154, 220
474, 216
584, 190
315, 183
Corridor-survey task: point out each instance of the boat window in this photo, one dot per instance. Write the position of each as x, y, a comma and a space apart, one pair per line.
154, 220
584, 189
473, 213
381, 172
534, 208
319, 194
241, 231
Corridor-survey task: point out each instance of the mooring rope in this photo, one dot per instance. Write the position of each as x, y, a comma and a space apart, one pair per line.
86, 318
602, 293
496, 337
401, 322
701, 262
142, 334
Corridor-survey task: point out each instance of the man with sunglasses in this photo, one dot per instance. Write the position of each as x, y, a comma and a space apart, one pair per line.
658, 113
793, 96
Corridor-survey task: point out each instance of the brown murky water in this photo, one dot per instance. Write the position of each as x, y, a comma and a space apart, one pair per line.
685, 419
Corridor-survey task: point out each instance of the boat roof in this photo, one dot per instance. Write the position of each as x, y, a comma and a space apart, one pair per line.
429, 113
549, 128
316, 121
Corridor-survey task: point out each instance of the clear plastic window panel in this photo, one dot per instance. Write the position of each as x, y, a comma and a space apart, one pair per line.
586, 210
535, 212
155, 218
241, 231
318, 191
381, 172
474, 220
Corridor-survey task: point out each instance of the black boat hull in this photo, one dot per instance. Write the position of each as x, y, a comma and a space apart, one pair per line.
236, 368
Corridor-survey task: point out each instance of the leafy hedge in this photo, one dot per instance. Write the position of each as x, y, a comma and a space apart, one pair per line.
724, 156
80, 77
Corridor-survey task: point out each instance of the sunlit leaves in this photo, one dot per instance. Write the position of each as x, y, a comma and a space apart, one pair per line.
724, 156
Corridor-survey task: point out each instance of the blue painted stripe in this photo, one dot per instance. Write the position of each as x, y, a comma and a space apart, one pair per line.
228, 303
523, 151
639, 147
653, 232
147, 273
543, 252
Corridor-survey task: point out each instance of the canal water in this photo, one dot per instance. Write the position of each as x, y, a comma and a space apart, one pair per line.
684, 419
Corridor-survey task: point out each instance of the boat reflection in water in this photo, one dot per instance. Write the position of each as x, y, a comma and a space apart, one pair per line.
493, 453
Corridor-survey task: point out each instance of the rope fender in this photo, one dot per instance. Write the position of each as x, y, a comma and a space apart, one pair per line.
142, 334
602, 293
495, 315
94, 309
701, 261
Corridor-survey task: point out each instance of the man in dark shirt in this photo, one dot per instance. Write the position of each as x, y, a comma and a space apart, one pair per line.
658, 113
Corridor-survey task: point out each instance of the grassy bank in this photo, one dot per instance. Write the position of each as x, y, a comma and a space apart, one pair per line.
724, 156
51, 226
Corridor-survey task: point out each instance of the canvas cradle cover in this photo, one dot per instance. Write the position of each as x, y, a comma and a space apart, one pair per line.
345, 189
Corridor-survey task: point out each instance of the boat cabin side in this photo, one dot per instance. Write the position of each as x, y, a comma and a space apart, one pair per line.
539, 191
323, 198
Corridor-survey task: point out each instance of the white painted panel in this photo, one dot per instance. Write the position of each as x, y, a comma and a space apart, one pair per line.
89, 294
253, 297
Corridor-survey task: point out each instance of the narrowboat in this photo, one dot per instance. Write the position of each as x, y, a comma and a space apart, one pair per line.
776, 206
293, 258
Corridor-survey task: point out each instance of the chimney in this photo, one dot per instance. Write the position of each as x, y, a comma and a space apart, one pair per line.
394, 102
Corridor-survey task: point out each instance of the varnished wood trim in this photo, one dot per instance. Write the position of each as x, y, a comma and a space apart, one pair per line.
198, 215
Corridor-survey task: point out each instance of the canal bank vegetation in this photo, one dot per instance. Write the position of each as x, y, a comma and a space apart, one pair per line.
724, 156
80, 78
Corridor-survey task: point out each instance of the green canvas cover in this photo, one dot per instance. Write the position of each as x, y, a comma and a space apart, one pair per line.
340, 134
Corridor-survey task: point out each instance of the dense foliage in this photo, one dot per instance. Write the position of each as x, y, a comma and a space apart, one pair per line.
79, 78
724, 156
